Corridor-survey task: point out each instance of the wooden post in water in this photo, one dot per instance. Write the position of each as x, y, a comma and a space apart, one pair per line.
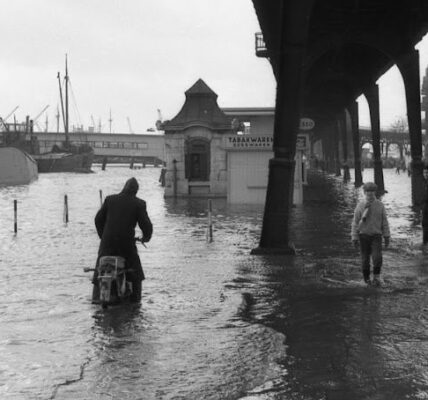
210, 222
65, 209
175, 177
131, 165
101, 197
15, 216
104, 164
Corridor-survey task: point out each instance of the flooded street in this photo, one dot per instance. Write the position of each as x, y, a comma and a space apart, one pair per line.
215, 322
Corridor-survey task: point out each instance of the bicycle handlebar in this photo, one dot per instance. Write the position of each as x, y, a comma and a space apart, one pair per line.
141, 240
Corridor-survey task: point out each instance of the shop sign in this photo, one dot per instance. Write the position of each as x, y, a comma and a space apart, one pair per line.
246, 142
261, 142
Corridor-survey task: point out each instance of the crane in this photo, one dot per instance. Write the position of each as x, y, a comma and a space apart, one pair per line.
8, 115
40, 113
129, 124
38, 116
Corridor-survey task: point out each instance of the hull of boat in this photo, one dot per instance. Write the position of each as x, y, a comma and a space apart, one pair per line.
65, 162
16, 167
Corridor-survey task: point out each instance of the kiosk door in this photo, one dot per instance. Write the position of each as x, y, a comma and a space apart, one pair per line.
248, 176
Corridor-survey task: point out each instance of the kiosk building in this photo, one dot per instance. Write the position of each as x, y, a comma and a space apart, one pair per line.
214, 152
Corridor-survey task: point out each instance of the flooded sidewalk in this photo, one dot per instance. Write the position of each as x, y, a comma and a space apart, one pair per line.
345, 340
215, 322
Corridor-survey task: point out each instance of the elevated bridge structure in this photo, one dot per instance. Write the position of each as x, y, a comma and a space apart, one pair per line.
112, 147
388, 138
324, 55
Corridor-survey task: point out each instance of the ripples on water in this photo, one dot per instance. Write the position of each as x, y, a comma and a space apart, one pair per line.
215, 322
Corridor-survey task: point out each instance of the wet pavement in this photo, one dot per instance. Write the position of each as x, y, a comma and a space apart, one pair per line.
215, 322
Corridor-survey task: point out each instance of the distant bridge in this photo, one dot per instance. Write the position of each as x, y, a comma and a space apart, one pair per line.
387, 136
117, 147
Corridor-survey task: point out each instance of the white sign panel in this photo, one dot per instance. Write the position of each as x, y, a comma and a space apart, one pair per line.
302, 142
306, 124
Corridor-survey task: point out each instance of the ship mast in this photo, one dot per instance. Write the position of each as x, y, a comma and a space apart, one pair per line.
66, 101
62, 102
64, 111
57, 118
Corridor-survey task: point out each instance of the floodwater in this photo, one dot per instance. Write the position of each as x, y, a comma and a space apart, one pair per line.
215, 322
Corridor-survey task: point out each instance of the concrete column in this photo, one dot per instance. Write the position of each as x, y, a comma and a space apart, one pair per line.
344, 135
353, 110
409, 68
331, 149
337, 162
275, 230
372, 96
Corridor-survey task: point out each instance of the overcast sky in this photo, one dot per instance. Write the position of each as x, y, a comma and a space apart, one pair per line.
136, 56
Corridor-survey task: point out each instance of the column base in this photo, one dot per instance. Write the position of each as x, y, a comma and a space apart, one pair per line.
290, 250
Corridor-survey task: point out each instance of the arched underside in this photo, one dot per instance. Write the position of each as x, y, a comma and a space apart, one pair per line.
325, 54
348, 45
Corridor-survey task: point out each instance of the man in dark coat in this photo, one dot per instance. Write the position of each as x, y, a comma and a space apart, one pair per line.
115, 223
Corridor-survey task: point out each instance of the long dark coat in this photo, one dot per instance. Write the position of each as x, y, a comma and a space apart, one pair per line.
116, 222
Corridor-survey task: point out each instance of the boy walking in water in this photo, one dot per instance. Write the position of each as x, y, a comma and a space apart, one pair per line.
368, 226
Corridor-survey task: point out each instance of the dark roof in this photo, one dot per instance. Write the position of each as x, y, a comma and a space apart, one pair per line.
200, 109
200, 88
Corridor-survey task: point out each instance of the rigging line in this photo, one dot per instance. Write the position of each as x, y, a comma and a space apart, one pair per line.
74, 102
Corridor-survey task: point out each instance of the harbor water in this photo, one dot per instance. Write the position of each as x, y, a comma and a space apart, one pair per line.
215, 322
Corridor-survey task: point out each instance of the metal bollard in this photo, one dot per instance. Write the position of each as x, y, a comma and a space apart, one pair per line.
15, 216
210, 222
65, 209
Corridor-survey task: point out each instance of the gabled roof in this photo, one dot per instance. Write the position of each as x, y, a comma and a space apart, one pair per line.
199, 109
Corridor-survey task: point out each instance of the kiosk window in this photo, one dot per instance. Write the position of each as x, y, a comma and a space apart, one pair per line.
198, 160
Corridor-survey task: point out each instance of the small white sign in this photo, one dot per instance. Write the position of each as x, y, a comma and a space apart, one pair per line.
306, 124
302, 142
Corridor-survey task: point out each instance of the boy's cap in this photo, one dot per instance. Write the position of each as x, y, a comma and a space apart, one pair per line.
370, 187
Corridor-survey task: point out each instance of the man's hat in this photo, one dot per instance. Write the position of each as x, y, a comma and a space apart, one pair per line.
370, 187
